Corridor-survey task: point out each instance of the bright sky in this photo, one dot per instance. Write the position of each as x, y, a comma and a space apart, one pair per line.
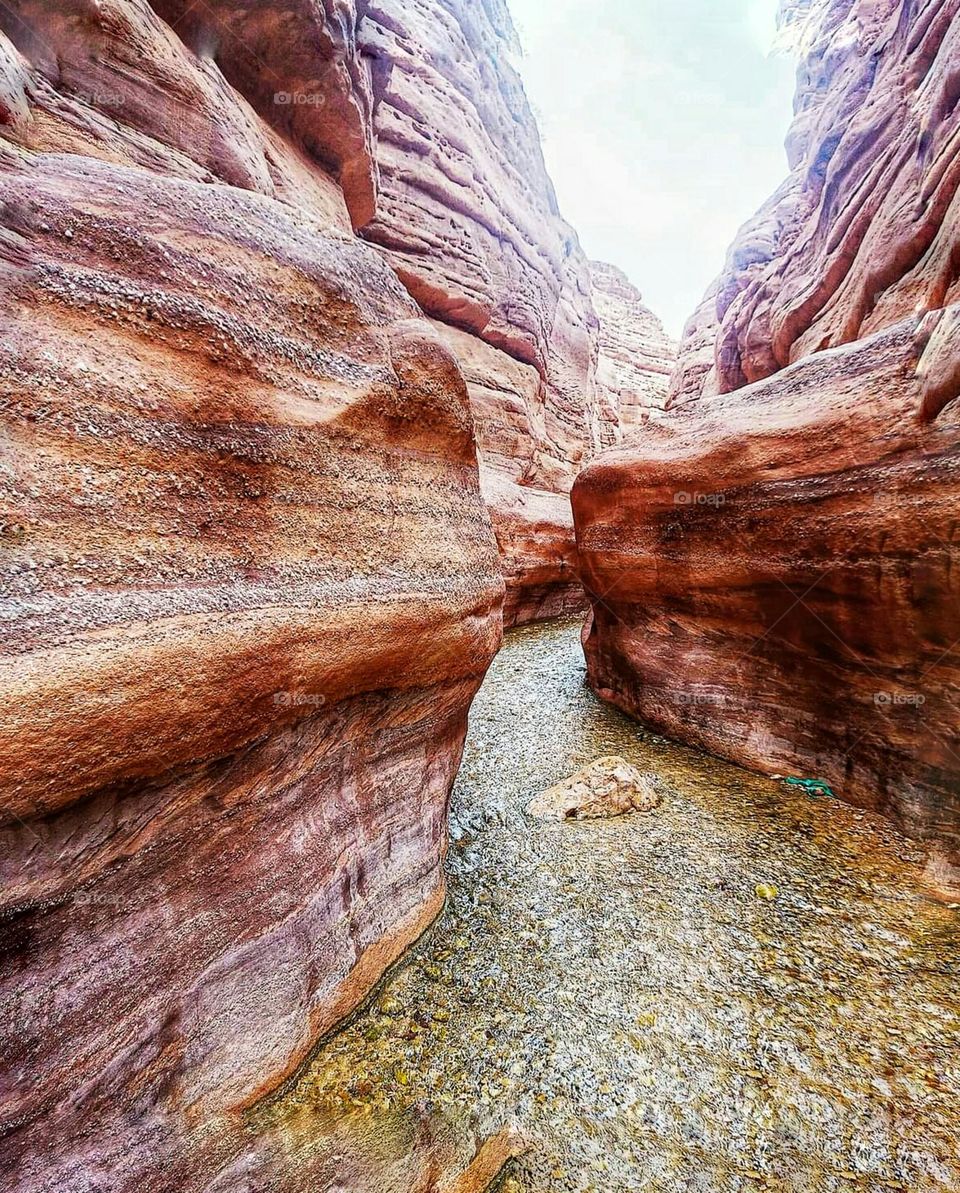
663, 124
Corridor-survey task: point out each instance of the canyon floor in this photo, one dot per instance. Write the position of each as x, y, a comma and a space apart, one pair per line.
746, 989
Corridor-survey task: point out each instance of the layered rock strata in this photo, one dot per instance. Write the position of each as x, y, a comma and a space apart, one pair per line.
533, 524
250, 584
636, 356
468, 218
773, 576
773, 570
863, 232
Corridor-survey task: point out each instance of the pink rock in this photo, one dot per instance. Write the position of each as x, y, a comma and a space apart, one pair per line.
864, 232
636, 357
251, 588
468, 218
772, 578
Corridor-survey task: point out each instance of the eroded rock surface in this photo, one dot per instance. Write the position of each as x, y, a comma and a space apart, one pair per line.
250, 582
866, 229
773, 570
636, 357
468, 218
533, 523
774, 577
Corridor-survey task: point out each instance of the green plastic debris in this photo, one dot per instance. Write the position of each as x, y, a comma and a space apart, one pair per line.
813, 787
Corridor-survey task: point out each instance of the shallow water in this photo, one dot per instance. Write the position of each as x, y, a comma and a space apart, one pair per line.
620, 995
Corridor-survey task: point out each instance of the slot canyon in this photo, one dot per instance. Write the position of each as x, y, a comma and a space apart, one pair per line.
353, 520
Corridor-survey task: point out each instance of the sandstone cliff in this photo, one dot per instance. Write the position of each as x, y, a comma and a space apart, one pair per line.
636, 356
468, 218
250, 582
864, 231
773, 571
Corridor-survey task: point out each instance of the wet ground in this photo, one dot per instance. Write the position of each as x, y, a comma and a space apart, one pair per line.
746, 989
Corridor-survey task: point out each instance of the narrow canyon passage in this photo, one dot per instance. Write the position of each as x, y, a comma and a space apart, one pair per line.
314, 379
618, 1004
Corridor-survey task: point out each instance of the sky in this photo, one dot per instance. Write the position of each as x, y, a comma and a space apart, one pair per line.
663, 124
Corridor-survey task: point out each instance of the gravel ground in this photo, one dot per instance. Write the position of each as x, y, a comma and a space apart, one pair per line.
624, 995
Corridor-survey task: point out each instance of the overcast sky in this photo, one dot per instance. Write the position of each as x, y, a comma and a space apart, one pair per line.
663, 124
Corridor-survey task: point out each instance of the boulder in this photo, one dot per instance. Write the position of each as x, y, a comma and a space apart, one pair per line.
602, 789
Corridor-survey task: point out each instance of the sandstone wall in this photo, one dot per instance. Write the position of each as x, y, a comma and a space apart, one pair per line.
250, 584
773, 576
773, 570
468, 218
866, 229
636, 356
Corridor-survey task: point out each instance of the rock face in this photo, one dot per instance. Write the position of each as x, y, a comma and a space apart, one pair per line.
602, 789
468, 219
773, 572
251, 584
636, 357
251, 578
533, 525
864, 231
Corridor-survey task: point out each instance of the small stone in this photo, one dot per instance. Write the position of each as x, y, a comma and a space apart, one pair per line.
766, 890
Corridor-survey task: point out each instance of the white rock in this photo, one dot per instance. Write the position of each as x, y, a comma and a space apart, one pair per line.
608, 786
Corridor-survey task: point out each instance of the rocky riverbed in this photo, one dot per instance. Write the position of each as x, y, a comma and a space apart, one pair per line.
745, 989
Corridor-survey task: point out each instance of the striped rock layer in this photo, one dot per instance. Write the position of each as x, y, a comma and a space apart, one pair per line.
250, 584
468, 218
773, 570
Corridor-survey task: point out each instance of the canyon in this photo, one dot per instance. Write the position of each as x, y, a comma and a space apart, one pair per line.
467, 216
300, 362
309, 391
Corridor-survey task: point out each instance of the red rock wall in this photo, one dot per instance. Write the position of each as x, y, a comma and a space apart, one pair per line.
250, 584
533, 524
468, 218
866, 229
636, 357
773, 570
